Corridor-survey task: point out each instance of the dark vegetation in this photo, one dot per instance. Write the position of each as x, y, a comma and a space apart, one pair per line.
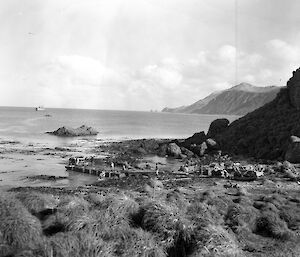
265, 132
204, 218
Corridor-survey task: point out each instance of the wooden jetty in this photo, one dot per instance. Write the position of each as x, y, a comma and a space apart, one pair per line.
79, 164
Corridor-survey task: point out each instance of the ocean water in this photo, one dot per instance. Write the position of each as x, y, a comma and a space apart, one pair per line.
25, 148
30, 125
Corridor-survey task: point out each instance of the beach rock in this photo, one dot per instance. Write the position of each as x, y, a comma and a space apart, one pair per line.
62, 149
289, 170
149, 145
141, 151
212, 144
162, 150
173, 150
293, 86
199, 149
217, 126
71, 132
293, 152
182, 156
197, 139
186, 152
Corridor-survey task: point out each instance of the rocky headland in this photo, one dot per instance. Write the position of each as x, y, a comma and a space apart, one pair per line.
266, 132
238, 100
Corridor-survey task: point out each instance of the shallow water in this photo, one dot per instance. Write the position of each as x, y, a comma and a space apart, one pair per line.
26, 150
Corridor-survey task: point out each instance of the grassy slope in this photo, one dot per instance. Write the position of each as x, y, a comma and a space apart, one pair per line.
199, 219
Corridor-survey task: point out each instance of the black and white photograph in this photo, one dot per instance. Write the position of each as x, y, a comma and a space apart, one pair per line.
149, 128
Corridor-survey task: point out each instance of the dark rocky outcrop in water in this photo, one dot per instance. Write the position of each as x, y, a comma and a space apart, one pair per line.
71, 132
265, 132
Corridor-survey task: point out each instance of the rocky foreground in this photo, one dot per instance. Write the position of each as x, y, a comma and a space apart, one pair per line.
142, 216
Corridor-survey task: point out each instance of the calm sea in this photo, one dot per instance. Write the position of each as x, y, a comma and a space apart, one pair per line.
26, 150
30, 125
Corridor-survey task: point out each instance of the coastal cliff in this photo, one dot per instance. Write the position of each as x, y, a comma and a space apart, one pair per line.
265, 133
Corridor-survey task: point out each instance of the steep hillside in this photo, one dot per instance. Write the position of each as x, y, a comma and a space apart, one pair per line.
265, 132
238, 100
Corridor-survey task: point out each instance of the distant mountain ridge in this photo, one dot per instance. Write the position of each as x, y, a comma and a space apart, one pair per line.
238, 100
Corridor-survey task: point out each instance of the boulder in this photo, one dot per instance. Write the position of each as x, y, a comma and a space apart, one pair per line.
197, 139
290, 171
186, 152
199, 149
71, 132
162, 151
173, 150
212, 145
293, 152
287, 166
217, 126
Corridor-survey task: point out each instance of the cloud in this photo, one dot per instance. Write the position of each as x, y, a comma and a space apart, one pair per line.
82, 81
81, 70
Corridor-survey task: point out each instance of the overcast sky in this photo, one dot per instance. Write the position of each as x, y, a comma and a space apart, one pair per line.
142, 54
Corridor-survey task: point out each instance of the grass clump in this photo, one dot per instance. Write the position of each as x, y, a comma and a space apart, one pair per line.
269, 224
170, 227
78, 244
18, 227
37, 202
219, 242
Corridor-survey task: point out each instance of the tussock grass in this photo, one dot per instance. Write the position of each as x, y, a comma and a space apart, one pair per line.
114, 229
139, 243
176, 197
176, 222
168, 224
6, 250
55, 223
96, 199
71, 207
122, 204
221, 243
269, 224
18, 227
37, 202
154, 189
240, 217
291, 215
203, 214
276, 199
77, 245
242, 191
71, 204
68, 210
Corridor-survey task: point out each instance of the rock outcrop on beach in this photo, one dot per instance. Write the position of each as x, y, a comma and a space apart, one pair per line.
217, 127
293, 151
238, 100
74, 132
265, 133
173, 150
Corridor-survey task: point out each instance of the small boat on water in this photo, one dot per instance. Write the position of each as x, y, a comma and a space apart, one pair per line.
40, 108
